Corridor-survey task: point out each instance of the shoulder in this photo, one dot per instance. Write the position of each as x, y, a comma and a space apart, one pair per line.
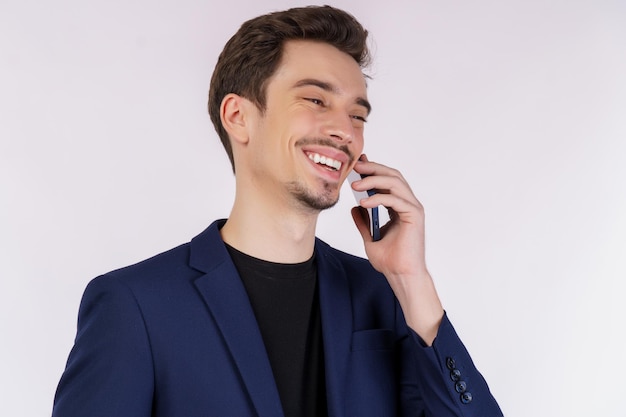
181, 263
148, 280
162, 264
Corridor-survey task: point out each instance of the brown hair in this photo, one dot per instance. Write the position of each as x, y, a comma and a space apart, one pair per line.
253, 54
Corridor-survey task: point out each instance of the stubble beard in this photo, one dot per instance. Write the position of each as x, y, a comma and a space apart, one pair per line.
315, 201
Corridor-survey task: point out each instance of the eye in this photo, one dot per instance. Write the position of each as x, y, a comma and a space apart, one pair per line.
315, 101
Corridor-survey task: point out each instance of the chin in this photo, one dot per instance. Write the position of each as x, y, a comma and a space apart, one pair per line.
318, 201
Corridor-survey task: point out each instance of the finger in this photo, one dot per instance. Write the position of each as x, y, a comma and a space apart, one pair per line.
401, 208
366, 167
387, 185
380, 182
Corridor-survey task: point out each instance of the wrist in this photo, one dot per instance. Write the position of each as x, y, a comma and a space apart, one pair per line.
420, 304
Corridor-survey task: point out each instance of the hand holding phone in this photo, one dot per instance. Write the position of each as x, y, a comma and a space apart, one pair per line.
374, 220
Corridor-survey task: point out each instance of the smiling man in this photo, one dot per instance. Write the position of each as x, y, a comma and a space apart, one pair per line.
255, 316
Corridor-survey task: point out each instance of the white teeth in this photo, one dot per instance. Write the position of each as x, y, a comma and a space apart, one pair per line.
325, 160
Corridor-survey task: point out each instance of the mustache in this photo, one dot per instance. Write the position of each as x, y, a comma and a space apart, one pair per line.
326, 142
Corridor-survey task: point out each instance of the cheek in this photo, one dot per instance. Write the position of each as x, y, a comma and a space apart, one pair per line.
286, 124
359, 143
305, 124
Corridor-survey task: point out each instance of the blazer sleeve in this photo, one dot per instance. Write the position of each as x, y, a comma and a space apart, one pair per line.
109, 371
441, 380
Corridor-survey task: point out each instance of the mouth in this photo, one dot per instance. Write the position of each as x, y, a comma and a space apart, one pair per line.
325, 161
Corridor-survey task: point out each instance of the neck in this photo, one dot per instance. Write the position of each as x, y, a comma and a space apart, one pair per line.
270, 228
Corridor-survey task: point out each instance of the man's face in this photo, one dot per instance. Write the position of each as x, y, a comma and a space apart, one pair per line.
311, 133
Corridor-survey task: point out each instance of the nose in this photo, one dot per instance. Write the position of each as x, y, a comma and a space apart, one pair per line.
339, 125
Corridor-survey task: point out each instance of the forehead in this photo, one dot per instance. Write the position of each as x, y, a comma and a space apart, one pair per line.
318, 60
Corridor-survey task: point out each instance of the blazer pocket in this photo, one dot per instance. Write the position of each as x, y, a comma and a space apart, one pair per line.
373, 339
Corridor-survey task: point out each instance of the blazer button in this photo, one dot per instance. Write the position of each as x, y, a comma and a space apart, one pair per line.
455, 375
466, 397
450, 363
460, 387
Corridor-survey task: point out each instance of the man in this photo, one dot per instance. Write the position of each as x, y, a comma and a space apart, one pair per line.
255, 317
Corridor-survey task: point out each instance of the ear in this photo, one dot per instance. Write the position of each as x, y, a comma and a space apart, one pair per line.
233, 113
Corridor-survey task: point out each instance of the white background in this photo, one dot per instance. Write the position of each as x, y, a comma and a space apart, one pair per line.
507, 117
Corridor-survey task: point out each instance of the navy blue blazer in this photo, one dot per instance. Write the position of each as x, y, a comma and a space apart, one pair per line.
175, 336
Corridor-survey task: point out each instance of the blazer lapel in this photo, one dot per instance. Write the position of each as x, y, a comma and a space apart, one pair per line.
228, 303
336, 311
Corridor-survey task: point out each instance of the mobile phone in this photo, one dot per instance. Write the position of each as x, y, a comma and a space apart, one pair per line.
374, 220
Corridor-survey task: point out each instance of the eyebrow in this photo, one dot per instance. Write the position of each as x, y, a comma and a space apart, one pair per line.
331, 89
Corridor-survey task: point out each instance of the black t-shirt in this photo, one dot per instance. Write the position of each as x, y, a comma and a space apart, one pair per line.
285, 302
